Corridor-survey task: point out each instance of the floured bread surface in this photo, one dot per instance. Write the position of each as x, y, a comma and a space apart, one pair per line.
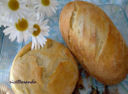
52, 67
95, 41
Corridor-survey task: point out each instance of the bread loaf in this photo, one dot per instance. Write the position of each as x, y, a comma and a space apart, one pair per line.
52, 69
95, 41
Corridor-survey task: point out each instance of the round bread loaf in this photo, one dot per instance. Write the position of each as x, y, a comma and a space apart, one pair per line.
50, 70
95, 41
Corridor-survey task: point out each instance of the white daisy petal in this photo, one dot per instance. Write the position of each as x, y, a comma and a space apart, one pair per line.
33, 45
42, 37
45, 7
7, 31
36, 44
13, 38
26, 36
42, 41
44, 33
20, 37
44, 23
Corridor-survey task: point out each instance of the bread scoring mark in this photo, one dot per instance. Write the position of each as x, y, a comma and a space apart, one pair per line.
77, 23
101, 37
71, 24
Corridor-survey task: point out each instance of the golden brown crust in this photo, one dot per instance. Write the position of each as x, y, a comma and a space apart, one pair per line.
95, 41
52, 67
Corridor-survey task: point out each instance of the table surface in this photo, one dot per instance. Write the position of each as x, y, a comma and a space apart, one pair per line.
117, 10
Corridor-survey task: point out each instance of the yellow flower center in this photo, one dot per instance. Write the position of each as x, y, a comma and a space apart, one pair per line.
13, 5
21, 25
37, 31
45, 2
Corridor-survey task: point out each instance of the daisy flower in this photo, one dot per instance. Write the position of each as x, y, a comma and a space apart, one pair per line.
19, 30
39, 31
13, 9
45, 7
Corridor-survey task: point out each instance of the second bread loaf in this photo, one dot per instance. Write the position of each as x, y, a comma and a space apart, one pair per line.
95, 41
